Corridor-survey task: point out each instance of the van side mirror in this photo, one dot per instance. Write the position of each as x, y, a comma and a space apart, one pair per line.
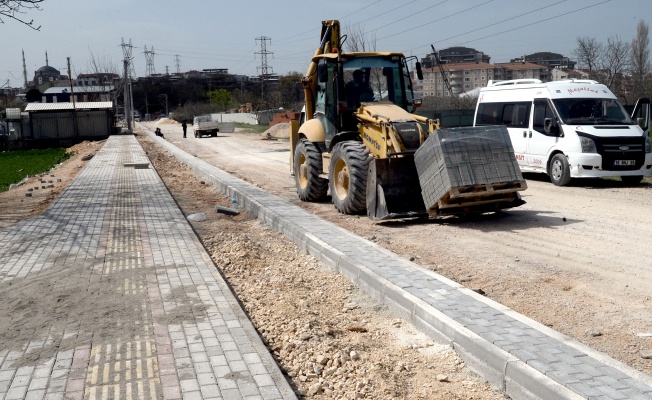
419, 71
642, 122
322, 73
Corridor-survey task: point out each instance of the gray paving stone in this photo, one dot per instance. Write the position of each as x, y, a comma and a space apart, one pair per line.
75, 228
367, 265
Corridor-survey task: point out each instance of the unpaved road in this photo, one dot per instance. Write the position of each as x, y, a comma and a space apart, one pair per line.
574, 258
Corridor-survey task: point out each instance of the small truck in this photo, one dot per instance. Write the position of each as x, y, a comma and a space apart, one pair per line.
205, 125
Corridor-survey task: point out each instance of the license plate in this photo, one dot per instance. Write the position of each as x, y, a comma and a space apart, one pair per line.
622, 163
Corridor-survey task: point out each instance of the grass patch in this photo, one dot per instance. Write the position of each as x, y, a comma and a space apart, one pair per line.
250, 128
17, 165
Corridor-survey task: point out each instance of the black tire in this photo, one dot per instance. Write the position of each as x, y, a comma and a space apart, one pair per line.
307, 167
559, 170
348, 172
632, 179
214, 134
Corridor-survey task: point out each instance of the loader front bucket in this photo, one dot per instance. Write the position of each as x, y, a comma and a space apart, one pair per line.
393, 189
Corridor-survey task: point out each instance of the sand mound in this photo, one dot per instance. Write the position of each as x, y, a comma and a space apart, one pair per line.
278, 131
165, 121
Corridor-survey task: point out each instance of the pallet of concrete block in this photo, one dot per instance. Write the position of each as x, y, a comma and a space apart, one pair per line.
227, 127
469, 170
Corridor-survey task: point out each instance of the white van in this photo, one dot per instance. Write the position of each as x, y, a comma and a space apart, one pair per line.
569, 129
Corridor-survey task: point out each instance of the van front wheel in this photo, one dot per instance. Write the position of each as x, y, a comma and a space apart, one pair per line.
559, 170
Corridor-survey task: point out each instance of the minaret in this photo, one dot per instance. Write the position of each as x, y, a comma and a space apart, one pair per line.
24, 69
46, 59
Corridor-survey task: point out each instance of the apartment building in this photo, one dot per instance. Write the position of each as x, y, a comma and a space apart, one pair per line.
465, 77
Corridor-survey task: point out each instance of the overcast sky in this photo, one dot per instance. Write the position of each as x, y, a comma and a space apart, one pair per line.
222, 33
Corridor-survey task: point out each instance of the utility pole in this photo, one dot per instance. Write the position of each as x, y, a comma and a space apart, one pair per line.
127, 98
128, 95
72, 98
264, 68
177, 61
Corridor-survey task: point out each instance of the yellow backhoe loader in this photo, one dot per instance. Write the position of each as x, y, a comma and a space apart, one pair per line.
358, 135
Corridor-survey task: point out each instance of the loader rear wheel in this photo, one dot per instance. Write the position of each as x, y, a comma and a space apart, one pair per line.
307, 167
348, 173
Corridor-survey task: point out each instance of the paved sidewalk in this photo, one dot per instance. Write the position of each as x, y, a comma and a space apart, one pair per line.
520, 356
109, 294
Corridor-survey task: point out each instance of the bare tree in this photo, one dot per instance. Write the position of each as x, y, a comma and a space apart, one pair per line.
589, 53
107, 75
615, 63
15, 9
640, 63
606, 63
358, 40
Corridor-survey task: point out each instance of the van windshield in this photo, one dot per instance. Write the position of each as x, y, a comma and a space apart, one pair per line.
592, 111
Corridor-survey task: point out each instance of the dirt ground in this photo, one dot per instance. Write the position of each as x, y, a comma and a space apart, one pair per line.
314, 321
331, 340
574, 258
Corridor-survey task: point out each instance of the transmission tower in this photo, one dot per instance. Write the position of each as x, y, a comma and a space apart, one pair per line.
264, 68
177, 62
149, 58
126, 51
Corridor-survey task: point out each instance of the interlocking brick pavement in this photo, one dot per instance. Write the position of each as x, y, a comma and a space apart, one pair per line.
109, 294
520, 356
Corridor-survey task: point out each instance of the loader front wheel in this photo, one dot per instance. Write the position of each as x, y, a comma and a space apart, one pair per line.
347, 174
307, 167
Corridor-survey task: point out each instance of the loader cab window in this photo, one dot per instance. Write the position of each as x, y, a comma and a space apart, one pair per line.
325, 105
372, 79
407, 83
357, 89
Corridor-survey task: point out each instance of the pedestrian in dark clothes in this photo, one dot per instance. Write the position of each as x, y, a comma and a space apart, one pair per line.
185, 127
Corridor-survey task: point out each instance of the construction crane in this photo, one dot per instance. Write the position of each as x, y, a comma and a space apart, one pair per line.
441, 70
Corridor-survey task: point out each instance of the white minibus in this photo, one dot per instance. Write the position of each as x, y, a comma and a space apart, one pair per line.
569, 129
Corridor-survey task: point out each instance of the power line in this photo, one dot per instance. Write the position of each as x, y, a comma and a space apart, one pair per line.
389, 11
436, 20
490, 25
537, 22
311, 31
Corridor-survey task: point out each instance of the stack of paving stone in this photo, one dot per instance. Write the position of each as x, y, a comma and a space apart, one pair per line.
465, 157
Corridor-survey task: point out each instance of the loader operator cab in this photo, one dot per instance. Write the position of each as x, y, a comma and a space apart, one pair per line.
361, 79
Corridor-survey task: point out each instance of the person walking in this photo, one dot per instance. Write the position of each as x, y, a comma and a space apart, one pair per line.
185, 127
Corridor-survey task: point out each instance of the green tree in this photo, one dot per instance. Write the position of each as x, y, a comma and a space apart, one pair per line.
291, 91
221, 98
640, 67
